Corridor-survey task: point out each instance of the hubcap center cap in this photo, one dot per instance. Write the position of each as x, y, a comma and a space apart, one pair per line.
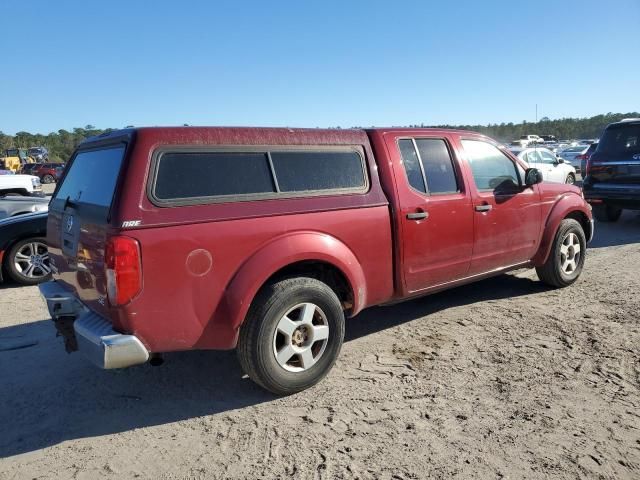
299, 336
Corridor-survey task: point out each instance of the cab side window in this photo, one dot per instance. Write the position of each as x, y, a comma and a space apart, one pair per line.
492, 169
412, 165
429, 166
438, 166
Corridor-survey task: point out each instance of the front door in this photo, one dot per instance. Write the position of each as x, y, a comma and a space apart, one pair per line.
435, 215
507, 215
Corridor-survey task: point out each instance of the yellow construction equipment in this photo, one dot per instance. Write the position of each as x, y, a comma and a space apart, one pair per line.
14, 158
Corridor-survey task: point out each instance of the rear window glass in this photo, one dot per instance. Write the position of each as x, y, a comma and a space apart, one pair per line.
92, 177
309, 171
620, 140
190, 175
437, 164
412, 165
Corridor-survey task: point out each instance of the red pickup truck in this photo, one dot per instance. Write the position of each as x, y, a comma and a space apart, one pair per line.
265, 239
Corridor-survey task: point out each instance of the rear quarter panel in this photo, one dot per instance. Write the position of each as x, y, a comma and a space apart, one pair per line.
187, 298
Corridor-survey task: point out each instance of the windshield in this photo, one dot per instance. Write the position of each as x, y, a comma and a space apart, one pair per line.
92, 177
621, 140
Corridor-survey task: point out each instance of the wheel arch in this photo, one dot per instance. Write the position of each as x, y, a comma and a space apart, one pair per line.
313, 254
567, 206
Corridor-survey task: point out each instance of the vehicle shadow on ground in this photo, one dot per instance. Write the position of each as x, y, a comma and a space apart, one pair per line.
49, 397
623, 232
381, 318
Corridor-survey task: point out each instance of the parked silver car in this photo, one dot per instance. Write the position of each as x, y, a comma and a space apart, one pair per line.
13, 205
570, 153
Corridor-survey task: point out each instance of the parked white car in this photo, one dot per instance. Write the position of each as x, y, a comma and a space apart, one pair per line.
28, 185
553, 169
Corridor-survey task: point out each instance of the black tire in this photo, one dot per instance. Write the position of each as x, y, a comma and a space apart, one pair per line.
606, 213
259, 334
48, 178
552, 272
20, 276
571, 179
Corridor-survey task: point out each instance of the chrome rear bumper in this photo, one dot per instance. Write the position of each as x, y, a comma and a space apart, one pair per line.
96, 339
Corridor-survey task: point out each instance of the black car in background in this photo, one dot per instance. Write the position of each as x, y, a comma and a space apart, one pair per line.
27, 168
612, 181
23, 252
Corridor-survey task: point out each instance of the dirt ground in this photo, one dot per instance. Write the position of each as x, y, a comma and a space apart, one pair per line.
502, 379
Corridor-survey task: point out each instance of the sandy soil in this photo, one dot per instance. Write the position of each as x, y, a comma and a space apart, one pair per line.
502, 379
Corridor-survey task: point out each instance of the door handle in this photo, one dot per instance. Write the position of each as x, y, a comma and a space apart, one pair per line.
483, 208
417, 215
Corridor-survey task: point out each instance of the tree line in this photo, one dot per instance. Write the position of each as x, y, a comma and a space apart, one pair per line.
62, 143
562, 128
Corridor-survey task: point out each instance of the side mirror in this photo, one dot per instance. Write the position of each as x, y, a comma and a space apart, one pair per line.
532, 176
560, 159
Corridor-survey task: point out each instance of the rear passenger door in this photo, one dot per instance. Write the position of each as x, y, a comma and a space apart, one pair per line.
436, 220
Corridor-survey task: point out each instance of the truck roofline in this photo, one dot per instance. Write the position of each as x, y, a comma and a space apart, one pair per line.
128, 133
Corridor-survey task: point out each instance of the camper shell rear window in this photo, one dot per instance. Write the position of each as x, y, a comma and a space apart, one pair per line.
91, 179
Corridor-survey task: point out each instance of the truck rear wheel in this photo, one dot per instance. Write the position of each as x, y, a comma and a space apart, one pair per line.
566, 259
606, 213
292, 335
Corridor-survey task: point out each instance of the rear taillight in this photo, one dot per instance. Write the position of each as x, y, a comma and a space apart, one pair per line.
123, 267
587, 166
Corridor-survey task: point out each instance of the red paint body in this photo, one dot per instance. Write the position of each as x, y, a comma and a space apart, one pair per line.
202, 265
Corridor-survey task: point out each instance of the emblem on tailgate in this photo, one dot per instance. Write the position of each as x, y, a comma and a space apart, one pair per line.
131, 223
69, 225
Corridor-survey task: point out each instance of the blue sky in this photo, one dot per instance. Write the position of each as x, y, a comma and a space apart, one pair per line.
316, 63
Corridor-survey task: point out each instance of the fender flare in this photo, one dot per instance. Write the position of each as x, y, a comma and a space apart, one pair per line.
284, 251
564, 206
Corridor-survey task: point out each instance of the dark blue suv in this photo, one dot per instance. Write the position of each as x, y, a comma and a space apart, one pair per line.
612, 181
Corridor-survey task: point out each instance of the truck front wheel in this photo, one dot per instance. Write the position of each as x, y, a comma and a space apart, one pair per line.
292, 335
566, 259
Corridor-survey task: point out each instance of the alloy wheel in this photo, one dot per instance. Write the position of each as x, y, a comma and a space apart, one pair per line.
570, 252
301, 337
32, 260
